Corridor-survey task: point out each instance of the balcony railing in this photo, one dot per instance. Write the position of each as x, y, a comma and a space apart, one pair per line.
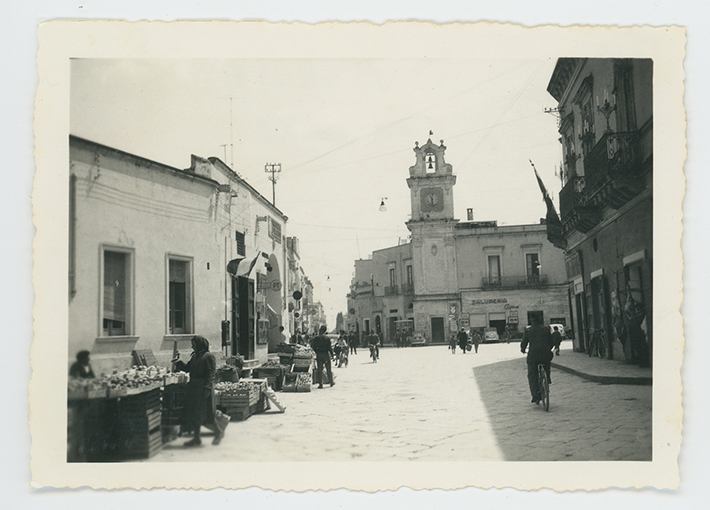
514, 282
408, 289
614, 155
571, 196
392, 290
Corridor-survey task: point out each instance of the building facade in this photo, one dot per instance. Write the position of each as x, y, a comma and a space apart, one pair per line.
606, 202
456, 274
159, 254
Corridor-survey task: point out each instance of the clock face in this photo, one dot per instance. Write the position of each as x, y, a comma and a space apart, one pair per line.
432, 199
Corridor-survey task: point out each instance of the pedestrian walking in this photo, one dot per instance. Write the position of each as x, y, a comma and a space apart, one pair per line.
398, 339
353, 342
476, 340
463, 340
199, 393
452, 343
557, 340
540, 340
324, 353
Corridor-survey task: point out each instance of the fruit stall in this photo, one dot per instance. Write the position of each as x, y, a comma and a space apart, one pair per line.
133, 413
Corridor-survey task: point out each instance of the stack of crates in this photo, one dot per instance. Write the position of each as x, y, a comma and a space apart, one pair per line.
173, 402
239, 404
140, 417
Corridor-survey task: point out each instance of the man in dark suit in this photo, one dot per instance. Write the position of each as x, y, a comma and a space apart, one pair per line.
540, 340
324, 353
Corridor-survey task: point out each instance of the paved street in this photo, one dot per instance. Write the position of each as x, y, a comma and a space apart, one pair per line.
427, 404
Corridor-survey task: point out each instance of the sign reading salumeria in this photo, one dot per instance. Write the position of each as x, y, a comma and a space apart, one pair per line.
489, 301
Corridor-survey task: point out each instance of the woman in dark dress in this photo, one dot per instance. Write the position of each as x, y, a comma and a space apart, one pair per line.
199, 394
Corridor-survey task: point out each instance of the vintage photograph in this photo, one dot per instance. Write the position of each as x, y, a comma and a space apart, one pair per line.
416, 260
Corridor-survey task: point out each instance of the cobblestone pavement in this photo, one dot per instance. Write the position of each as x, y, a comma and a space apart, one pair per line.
427, 404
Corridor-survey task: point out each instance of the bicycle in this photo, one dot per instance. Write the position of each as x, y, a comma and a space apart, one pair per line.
543, 386
597, 344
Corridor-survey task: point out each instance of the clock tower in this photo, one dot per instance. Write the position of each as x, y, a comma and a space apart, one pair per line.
431, 181
431, 184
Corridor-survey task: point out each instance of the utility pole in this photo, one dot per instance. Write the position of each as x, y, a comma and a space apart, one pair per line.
273, 169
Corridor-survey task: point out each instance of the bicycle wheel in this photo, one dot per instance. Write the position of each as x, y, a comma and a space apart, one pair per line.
544, 387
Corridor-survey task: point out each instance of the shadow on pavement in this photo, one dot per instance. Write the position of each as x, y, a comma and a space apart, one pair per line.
516, 422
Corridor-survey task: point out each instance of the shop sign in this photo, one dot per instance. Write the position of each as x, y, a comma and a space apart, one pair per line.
511, 307
488, 301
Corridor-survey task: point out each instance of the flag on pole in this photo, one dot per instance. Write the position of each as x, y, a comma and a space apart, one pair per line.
554, 226
251, 266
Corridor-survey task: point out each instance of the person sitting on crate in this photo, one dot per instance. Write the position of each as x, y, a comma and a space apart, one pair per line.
81, 368
199, 393
324, 353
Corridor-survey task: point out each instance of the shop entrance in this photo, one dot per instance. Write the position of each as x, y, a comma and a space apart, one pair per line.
391, 329
497, 320
580, 322
243, 317
438, 335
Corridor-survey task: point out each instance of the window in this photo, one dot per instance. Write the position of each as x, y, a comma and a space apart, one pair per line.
532, 263
240, 243
179, 297
117, 293
393, 278
494, 268
410, 275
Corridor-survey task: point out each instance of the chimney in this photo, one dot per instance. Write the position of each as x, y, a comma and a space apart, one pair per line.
469, 214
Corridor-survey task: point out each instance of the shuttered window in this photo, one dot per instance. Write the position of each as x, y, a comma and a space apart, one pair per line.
116, 294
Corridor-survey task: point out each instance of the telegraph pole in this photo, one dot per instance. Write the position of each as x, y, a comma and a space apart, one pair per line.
273, 169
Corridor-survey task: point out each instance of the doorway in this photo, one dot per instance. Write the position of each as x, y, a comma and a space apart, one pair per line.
243, 317
438, 335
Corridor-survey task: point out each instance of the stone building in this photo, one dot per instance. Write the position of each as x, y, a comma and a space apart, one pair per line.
457, 274
606, 202
159, 254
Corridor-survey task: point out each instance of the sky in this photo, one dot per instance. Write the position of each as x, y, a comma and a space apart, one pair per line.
343, 131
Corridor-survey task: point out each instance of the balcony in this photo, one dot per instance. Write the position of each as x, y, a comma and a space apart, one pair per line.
392, 290
575, 212
514, 282
612, 170
407, 289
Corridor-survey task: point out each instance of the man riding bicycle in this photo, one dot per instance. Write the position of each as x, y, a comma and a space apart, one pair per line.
540, 340
374, 341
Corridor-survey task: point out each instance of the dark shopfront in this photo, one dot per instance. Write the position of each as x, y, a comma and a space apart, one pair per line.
616, 300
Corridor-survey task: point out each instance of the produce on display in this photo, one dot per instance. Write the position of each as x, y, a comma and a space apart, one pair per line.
128, 382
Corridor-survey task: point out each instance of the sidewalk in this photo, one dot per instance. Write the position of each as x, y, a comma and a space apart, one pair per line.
605, 371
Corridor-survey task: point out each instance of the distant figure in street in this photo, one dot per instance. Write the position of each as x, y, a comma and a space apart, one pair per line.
81, 367
463, 340
343, 350
506, 334
324, 352
353, 341
452, 344
476, 340
557, 340
398, 339
373, 342
540, 340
